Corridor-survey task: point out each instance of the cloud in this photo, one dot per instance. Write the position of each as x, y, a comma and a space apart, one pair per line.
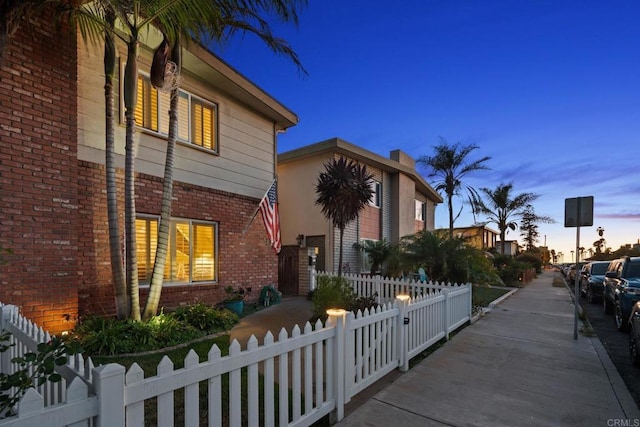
635, 216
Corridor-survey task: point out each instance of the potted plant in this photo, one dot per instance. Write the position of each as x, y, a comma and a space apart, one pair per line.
234, 300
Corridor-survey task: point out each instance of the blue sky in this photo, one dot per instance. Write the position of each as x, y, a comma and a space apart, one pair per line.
549, 89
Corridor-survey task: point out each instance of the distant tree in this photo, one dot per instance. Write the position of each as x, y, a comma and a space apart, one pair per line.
450, 164
529, 226
599, 244
500, 208
343, 190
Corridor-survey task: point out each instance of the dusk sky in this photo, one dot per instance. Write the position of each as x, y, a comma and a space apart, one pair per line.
549, 89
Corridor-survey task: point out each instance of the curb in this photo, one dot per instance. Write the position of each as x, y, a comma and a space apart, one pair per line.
620, 389
627, 403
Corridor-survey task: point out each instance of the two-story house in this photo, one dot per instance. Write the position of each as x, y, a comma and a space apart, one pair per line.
53, 212
403, 203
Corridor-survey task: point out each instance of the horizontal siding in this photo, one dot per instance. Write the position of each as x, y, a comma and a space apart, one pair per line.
245, 164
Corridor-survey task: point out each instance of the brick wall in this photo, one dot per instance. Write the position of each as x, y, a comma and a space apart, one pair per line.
38, 169
244, 259
370, 223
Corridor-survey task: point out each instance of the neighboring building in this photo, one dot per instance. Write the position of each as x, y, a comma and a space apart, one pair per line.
478, 236
403, 203
511, 247
53, 214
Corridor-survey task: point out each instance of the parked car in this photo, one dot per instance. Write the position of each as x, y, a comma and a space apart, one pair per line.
634, 335
592, 280
572, 272
621, 289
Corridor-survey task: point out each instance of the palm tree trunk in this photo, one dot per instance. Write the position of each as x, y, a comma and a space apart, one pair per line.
450, 206
130, 99
157, 276
117, 271
340, 253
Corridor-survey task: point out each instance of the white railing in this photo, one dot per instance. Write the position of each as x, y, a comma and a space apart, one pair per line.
314, 372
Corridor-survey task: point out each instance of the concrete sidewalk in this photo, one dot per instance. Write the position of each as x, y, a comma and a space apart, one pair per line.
518, 365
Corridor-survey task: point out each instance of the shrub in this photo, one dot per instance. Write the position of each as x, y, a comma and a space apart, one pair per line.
109, 336
509, 269
364, 303
534, 261
207, 318
332, 292
482, 270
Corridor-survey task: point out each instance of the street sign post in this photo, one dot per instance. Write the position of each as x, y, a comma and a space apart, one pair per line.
578, 211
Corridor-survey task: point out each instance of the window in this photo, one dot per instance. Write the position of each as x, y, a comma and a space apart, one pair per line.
421, 210
365, 261
375, 197
197, 118
191, 255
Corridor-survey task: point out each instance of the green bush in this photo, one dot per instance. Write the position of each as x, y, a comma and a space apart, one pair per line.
332, 292
207, 318
510, 269
482, 271
364, 303
109, 336
534, 261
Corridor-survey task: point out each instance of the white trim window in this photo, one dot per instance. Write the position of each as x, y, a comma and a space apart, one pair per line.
192, 253
421, 210
376, 196
197, 118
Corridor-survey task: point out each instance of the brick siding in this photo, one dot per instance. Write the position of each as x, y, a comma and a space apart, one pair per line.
38, 175
244, 259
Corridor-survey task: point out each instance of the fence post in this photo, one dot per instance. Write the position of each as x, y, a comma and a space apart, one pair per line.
470, 287
446, 314
5, 318
337, 318
402, 301
109, 387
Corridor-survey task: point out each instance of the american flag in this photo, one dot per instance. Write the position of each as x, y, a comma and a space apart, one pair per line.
270, 217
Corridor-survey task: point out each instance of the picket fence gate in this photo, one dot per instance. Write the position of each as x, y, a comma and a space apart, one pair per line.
314, 372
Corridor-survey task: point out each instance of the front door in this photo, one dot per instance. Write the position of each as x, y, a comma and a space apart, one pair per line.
288, 270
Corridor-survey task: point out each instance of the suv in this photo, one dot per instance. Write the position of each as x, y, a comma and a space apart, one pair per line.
592, 278
621, 289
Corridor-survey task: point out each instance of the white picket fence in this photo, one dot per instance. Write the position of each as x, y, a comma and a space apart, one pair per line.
314, 372
387, 288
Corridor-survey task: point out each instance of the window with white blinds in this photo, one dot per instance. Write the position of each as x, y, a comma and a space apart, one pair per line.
197, 118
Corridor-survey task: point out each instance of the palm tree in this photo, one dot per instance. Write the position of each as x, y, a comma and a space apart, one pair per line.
343, 190
231, 19
444, 259
500, 207
450, 164
377, 251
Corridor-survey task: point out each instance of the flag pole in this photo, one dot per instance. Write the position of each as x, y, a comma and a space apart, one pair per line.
246, 227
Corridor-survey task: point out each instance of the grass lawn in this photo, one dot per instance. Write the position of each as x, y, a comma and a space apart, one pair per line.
483, 296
